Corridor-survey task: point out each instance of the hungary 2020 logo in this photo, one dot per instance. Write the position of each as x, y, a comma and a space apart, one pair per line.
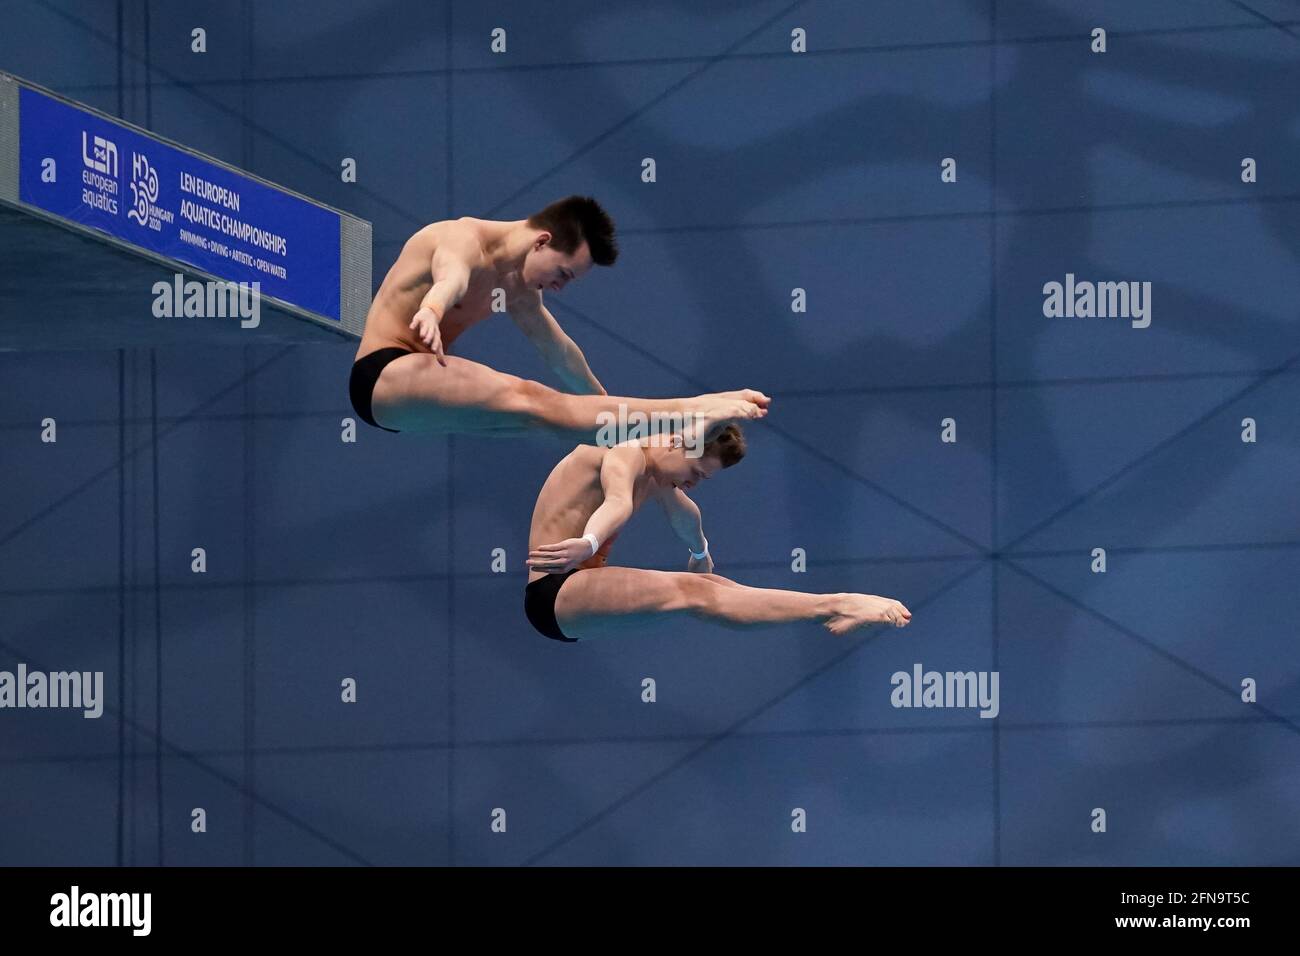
144, 194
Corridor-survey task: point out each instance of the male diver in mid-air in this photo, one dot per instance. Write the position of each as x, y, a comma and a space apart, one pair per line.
573, 594
447, 278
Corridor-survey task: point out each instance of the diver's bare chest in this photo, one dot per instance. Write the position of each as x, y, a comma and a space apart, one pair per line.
481, 299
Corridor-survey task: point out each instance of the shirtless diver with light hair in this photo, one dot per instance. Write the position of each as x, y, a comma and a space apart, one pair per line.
573, 594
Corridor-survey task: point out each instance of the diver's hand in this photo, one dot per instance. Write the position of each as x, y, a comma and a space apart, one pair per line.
561, 557
426, 326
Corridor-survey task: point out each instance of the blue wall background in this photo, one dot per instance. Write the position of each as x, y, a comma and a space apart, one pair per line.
775, 171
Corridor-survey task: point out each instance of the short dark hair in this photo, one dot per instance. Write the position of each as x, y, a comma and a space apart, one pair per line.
575, 218
728, 445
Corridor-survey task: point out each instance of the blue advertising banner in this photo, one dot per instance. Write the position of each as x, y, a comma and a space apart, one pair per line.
163, 199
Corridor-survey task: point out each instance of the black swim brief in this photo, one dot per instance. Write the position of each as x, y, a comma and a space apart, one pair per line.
361, 384
539, 605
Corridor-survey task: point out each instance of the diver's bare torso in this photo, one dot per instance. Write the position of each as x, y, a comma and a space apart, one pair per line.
571, 495
388, 324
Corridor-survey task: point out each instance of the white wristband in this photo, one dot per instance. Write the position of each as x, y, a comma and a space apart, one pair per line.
593, 541
703, 554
